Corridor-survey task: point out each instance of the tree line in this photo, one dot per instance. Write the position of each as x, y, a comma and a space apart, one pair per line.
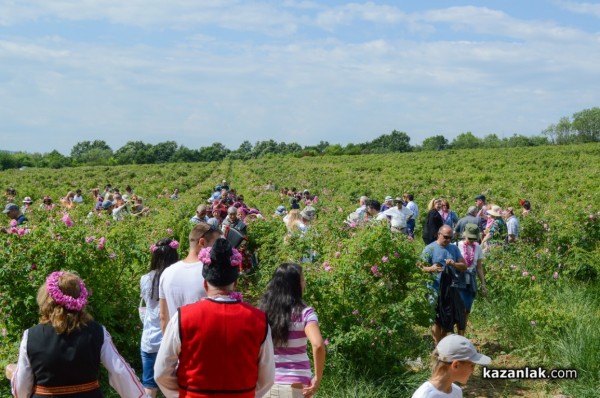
583, 127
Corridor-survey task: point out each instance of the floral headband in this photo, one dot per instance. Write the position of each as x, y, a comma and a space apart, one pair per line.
66, 301
204, 256
173, 245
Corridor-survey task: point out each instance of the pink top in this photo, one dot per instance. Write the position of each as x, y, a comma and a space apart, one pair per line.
291, 362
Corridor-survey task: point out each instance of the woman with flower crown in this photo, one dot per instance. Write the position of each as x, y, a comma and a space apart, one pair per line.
218, 346
62, 354
473, 255
164, 254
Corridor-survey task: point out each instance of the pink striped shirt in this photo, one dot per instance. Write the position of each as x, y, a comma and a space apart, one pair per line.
291, 362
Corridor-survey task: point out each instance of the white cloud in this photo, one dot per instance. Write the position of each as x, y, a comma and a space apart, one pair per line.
348, 13
493, 22
581, 8
304, 88
174, 14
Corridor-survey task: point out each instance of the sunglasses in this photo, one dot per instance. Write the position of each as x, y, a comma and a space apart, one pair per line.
447, 236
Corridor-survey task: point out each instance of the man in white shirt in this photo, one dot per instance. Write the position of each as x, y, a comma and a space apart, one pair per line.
78, 198
399, 216
410, 224
182, 282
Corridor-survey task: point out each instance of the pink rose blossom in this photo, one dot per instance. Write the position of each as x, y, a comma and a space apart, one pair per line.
375, 271
13, 223
396, 254
337, 254
384, 259
326, 342
66, 219
555, 275
525, 273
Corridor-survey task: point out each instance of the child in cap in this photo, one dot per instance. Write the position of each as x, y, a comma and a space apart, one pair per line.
454, 360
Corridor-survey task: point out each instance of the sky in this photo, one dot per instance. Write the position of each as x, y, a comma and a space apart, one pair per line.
204, 71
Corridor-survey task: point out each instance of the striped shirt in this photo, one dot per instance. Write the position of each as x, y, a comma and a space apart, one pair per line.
291, 362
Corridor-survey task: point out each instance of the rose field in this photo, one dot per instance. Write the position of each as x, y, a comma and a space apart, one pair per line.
543, 303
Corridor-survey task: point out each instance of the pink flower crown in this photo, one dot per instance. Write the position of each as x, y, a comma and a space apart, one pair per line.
204, 256
66, 301
173, 245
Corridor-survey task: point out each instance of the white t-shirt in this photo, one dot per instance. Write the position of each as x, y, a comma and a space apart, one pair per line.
399, 216
151, 334
427, 390
181, 284
477, 255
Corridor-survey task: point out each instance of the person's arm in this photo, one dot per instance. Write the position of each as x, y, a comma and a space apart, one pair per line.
120, 375
165, 366
313, 333
459, 263
22, 377
481, 276
164, 314
266, 366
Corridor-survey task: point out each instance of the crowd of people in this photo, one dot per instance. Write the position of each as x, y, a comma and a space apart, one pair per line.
188, 344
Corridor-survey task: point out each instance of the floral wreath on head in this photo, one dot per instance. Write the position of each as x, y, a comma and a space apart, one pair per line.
204, 256
173, 245
64, 300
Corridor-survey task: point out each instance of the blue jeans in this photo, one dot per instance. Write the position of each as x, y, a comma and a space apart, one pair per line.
410, 227
148, 359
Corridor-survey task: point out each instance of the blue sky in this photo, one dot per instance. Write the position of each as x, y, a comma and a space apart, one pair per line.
199, 72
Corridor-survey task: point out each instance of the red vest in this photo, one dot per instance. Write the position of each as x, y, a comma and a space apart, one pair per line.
220, 344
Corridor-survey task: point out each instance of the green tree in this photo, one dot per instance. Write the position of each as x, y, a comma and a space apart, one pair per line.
435, 143
55, 160
215, 152
466, 141
396, 141
134, 152
184, 154
492, 141
587, 125
163, 152
91, 152
560, 133
7, 160
244, 152
262, 148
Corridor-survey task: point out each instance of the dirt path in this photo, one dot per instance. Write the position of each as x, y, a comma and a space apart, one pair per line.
478, 387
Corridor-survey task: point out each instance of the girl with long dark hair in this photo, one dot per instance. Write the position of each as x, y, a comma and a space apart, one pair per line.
293, 323
164, 254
